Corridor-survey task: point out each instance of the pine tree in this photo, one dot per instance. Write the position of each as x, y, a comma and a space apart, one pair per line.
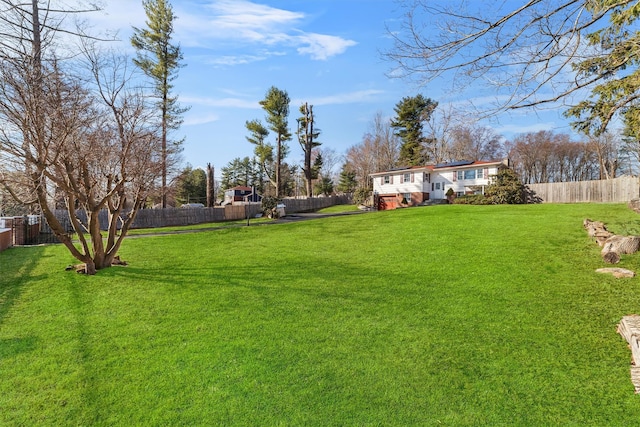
307, 134
160, 60
276, 105
411, 113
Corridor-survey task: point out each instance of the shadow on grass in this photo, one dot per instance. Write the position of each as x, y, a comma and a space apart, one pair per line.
16, 266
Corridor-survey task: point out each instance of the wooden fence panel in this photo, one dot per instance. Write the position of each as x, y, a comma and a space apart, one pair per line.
6, 238
622, 189
154, 218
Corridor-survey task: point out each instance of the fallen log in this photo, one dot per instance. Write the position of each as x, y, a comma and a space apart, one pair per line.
612, 245
629, 328
597, 230
622, 244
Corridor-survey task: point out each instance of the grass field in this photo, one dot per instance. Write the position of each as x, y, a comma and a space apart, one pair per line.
445, 315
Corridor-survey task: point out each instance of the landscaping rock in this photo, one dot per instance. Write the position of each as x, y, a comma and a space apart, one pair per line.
616, 272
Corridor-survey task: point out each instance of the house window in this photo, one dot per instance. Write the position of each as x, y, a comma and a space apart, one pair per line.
407, 197
437, 185
470, 174
407, 177
459, 193
427, 177
387, 180
479, 174
460, 176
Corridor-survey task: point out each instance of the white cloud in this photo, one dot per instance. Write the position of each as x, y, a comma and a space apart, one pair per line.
343, 98
193, 120
240, 15
233, 60
321, 46
226, 24
522, 128
242, 23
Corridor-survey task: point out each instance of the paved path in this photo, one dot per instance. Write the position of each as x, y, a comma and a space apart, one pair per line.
301, 216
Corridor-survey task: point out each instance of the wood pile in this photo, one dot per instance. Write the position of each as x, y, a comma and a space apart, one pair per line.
612, 245
629, 328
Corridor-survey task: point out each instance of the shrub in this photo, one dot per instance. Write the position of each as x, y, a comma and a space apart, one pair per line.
362, 196
269, 204
471, 199
506, 188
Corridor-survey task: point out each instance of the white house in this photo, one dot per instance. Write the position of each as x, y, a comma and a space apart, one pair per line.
417, 184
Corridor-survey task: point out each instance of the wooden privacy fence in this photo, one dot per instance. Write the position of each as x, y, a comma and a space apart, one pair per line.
154, 218
622, 189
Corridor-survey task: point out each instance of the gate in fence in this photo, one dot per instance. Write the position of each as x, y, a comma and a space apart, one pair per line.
28, 230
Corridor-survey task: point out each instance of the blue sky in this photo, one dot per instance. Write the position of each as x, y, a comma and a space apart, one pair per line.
324, 52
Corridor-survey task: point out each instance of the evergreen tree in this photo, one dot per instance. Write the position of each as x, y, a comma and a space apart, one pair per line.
324, 186
506, 188
276, 105
307, 134
159, 59
411, 113
192, 186
263, 152
348, 182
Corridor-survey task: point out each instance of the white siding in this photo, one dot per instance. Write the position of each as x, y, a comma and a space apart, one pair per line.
397, 184
464, 185
443, 176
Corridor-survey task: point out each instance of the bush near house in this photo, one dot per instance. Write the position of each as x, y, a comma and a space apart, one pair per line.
472, 199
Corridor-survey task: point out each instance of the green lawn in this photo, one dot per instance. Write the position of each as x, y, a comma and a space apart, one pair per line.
446, 315
339, 209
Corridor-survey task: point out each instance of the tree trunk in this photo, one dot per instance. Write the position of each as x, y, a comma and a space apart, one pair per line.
278, 165
210, 186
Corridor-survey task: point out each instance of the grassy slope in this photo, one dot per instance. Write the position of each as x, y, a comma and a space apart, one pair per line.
446, 315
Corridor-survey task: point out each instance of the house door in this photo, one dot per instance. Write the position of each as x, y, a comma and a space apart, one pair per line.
438, 191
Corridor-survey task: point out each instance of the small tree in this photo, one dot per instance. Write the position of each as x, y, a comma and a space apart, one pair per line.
362, 196
506, 188
348, 182
192, 186
324, 186
269, 206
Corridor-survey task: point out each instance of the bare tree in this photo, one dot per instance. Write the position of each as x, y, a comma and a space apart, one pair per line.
83, 136
378, 151
536, 52
330, 160
546, 156
439, 129
475, 142
607, 147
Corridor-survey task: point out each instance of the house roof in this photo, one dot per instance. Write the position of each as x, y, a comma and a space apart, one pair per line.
240, 187
426, 168
468, 165
461, 164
